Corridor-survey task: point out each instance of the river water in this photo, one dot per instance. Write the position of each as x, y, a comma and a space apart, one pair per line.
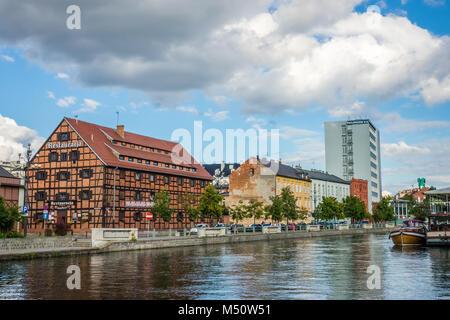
319, 268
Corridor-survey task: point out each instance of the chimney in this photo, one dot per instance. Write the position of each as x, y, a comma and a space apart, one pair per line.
121, 130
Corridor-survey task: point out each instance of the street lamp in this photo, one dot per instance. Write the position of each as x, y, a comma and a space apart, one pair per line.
26, 180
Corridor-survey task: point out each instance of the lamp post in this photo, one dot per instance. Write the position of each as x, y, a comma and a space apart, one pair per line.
26, 180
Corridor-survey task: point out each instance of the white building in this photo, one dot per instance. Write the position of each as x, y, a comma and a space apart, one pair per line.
324, 184
352, 150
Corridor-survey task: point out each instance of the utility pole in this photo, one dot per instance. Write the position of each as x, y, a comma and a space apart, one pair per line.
26, 180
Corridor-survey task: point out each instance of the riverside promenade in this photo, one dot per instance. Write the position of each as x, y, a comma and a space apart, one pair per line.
41, 247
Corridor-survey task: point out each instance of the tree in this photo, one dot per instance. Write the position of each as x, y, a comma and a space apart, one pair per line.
383, 211
354, 208
288, 205
302, 213
254, 209
421, 210
8, 215
211, 203
328, 209
161, 206
274, 210
188, 201
238, 212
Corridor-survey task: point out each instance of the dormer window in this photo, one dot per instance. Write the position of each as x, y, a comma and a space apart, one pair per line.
121, 158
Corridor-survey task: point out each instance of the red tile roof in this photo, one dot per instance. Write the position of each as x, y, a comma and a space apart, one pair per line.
96, 137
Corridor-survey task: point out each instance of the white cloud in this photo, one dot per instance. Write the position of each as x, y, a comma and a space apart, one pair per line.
7, 58
354, 110
308, 52
61, 75
218, 116
66, 102
14, 138
290, 133
434, 3
89, 105
50, 95
188, 109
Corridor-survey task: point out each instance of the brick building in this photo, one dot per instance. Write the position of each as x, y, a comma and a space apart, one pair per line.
260, 180
359, 189
11, 188
92, 176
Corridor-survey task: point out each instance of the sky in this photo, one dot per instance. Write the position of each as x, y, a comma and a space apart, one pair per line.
289, 65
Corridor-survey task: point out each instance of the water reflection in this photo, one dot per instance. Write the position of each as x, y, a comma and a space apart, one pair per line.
320, 268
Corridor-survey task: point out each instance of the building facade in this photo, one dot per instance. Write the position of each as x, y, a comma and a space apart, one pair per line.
352, 150
358, 188
220, 173
256, 180
11, 188
327, 185
91, 176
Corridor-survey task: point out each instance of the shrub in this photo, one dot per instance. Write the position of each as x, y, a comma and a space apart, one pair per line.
14, 234
61, 228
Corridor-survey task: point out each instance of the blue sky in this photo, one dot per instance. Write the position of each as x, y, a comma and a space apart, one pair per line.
261, 74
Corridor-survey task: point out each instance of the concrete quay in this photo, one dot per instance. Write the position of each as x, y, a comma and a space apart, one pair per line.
81, 247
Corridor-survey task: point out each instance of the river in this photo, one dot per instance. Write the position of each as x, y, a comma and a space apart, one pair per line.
318, 268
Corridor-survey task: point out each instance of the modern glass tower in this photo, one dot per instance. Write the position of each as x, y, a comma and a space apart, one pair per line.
352, 150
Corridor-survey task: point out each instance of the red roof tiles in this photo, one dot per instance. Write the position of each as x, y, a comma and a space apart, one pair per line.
96, 137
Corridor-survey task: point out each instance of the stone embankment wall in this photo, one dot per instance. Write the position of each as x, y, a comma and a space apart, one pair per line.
35, 243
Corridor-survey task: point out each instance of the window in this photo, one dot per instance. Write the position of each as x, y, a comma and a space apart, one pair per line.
166, 179
74, 155
85, 194
252, 172
138, 196
138, 176
374, 184
152, 196
122, 215
137, 216
53, 156
374, 175
373, 165
124, 144
41, 175
181, 168
155, 163
152, 150
122, 173
121, 158
63, 156
85, 173
63, 196
147, 162
40, 196
194, 170
130, 159
372, 146
167, 165
192, 182
374, 194
63, 136
372, 136
139, 161
180, 181
152, 178
202, 183
63, 175
121, 194
166, 152
374, 157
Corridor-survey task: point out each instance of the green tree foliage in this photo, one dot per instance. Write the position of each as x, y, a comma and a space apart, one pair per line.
254, 209
274, 210
211, 203
288, 205
302, 213
161, 205
421, 210
328, 209
238, 212
8, 216
354, 208
188, 202
383, 211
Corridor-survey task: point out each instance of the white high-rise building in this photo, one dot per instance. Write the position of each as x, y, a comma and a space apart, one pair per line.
352, 150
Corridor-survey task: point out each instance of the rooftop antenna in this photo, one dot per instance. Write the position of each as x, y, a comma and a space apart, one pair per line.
117, 112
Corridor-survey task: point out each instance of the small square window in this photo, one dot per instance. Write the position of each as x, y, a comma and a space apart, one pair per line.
121, 158
139, 161
130, 159
152, 178
63, 156
53, 156
138, 176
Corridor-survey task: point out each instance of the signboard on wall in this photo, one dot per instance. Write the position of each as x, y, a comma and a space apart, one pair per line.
138, 204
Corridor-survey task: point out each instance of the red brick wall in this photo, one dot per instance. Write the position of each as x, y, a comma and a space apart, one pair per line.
359, 189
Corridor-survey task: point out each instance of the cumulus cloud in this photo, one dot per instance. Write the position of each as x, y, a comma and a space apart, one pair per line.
61, 75
7, 58
89, 105
66, 102
14, 139
305, 52
427, 159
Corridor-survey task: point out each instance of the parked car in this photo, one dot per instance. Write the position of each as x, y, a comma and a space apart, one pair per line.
292, 227
301, 226
237, 228
281, 225
194, 230
255, 226
221, 225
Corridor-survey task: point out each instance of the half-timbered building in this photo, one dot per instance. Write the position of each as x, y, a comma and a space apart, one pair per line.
90, 176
